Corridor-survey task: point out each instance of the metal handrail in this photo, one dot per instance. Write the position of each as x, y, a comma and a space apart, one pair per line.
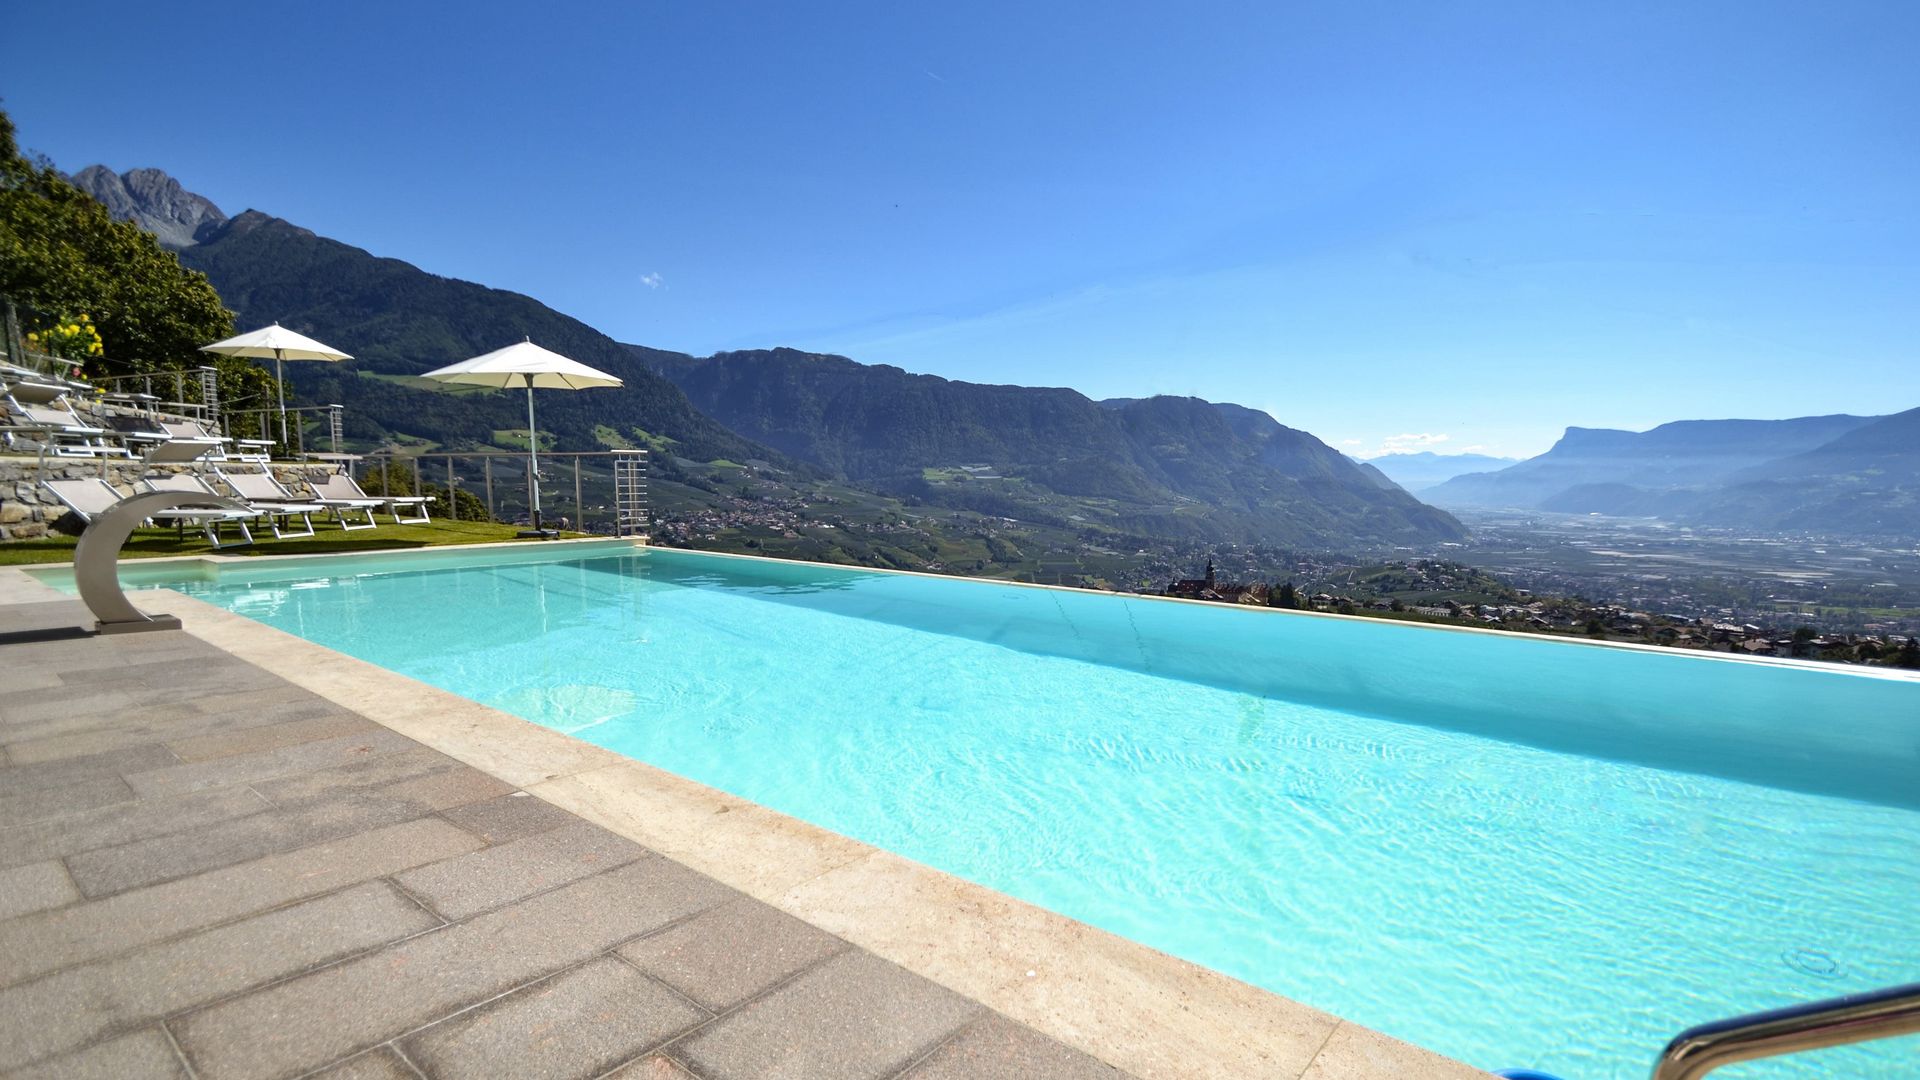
1878, 1014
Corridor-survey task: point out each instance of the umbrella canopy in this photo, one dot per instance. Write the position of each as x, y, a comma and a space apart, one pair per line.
279, 344
529, 365
524, 364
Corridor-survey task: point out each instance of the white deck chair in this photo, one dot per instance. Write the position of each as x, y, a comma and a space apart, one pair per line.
92, 497
341, 489
275, 503
193, 485
252, 451
71, 436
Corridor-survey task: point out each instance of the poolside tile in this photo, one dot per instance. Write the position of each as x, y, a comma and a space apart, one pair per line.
81, 736
854, 1016
34, 887
125, 823
66, 1009
145, 1054
732, 953
58, 704
355, 777
267, 764
747, 846
212, 673
580, 1023
1148, 1013
269, 737
651, 1067
380, 1063
333, 1012
40, 943
486, 879
20, 679
150, 755
508, 817
308, 821
1357, 1053
995, 1048
31, 806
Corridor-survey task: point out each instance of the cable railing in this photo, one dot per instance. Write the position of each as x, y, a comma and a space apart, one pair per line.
596, 491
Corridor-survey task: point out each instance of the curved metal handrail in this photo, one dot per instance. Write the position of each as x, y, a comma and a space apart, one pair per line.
1878, 1014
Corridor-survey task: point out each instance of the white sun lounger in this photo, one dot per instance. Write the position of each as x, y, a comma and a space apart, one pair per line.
341, 490
92, 497
253, 451
71, 436
264, 493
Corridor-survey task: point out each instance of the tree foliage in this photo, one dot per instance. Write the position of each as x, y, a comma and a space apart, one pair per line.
62, 255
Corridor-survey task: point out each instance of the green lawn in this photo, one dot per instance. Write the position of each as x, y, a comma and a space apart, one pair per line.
159, 543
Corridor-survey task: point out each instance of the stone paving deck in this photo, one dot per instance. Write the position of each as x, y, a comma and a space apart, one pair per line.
208, 871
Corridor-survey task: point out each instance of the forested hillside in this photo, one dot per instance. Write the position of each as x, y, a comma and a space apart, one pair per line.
1164, 466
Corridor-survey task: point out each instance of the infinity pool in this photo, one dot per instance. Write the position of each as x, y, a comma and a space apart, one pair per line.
1510, 850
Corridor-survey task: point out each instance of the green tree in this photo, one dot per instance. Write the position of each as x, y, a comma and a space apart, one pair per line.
62, 255
1287, 597
1803, 641
1909, 654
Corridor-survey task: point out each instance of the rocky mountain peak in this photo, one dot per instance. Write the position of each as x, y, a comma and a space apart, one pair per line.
154, 201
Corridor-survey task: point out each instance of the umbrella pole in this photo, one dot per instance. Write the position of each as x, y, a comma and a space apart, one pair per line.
533, 456
280, 384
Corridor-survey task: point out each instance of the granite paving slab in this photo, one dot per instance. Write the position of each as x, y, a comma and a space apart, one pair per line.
580, 1023
853, 1017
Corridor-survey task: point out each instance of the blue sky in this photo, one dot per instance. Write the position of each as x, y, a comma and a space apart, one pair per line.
1462, 225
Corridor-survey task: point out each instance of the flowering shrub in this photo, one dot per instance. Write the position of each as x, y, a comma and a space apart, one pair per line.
70, 339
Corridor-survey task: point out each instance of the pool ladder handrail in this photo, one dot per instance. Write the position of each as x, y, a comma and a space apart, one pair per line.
1876, 1014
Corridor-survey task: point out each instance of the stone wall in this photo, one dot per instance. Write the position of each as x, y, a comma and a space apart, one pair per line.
28, 510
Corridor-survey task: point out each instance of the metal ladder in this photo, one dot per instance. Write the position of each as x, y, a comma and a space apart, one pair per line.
630, 492
1878, 1014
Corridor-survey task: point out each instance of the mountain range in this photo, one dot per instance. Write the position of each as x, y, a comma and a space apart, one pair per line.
1839, 474
1161, 468
1178, 468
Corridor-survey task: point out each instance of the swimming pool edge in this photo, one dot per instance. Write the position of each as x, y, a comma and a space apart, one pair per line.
1136, 1008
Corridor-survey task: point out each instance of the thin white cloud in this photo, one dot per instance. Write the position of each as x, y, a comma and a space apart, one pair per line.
652, 281
1410, 443
1352, 442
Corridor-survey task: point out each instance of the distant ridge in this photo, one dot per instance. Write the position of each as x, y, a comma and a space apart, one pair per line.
1835, 474
1426, 468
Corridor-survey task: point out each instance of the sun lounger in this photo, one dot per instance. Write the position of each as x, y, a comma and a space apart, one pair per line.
264, 493
36, 392
92, 497
71, 437
341, 490
252, 451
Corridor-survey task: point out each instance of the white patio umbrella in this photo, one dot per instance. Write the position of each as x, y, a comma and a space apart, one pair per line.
529, 365
281, 344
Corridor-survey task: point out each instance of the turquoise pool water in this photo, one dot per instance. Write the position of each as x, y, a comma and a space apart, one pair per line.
1516, 852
